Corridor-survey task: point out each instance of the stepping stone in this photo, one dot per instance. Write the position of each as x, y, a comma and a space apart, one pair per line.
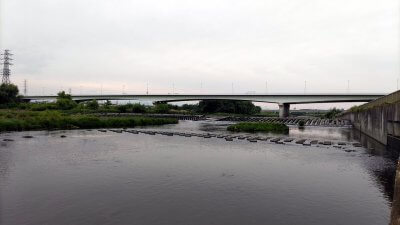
301, 141
313, 142
327, 143
280, 142
27, 136
288, 140
341, 143
228, 139
63, 136
6, 139
275, 139
349, 150
252, 140
307, 143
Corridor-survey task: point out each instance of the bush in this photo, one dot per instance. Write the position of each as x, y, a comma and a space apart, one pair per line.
161, 108
17, 121
259, 127
138, 108
94, 105
9, 94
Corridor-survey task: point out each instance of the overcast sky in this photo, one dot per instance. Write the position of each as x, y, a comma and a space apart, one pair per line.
108, 45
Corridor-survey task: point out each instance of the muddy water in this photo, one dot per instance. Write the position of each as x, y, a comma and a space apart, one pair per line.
90, 177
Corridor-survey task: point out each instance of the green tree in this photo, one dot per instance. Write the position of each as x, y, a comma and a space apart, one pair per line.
93, 105
228, 106
138, 108
9, 94
64, 101
161, 108
333, 113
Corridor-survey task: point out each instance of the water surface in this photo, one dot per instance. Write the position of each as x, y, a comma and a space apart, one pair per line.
91, 177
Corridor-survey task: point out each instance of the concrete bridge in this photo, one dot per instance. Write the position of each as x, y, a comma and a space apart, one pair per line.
283, 100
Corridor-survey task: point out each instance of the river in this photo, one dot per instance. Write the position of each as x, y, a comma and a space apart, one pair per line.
92, 177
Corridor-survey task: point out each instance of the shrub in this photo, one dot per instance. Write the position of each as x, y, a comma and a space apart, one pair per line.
259, 127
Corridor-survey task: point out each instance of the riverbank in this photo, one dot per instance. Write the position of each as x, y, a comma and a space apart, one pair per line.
51, 120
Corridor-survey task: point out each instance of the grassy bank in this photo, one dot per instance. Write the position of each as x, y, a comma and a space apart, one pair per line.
259, 127
49, 120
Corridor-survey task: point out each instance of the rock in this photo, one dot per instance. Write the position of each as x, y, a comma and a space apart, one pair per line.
327, 143
27, 136
63, 136
301, 141
275, 140
228, 139
7, 139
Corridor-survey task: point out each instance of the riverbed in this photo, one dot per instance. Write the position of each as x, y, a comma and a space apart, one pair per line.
92, 177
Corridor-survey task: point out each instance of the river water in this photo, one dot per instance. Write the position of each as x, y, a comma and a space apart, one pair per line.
90, 177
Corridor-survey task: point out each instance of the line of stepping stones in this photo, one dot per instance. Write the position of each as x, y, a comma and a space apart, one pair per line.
276, 140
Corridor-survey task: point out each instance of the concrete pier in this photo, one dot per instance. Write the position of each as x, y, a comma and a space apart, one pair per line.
284, 110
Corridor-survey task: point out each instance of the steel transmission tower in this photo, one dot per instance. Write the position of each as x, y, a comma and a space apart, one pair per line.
6, 66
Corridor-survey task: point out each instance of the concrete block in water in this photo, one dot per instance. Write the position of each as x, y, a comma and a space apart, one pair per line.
275, 139
301, 141
327, 143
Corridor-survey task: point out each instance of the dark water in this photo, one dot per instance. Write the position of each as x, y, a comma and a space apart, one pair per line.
91, 177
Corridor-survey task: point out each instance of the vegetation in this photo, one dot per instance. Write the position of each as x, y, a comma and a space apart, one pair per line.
228, 106
8, 94
28, 120
259, 127
333, 113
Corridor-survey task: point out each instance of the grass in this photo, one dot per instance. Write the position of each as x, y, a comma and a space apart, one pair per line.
50, 120
259, 127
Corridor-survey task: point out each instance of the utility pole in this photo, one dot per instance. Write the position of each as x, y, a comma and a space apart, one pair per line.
348, 86
25, 87
147, 88
6, 66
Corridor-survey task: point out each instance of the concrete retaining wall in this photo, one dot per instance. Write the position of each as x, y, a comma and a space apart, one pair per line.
378, 120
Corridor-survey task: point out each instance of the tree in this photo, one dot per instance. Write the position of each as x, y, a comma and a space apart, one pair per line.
228, 106
138, 108
9, 94
64, 101
161, 108
93, 104
332, 113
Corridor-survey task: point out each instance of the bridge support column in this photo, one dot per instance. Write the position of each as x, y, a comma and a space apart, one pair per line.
284, 110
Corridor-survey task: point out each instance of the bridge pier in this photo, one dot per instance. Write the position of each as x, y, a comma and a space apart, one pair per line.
284, 110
